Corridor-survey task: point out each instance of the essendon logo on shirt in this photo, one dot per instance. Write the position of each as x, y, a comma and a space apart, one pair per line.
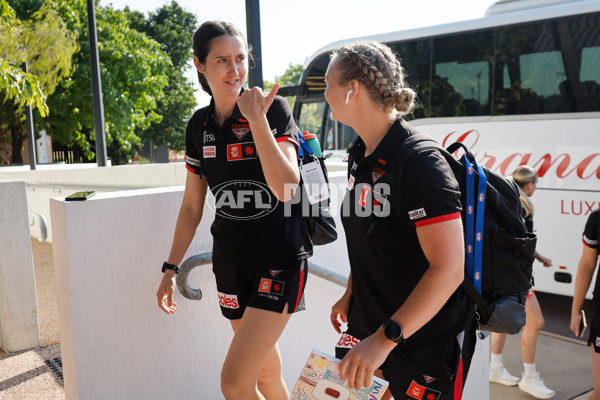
241, 151
347, 341
377, 173
228, 300
271, 286
240, 130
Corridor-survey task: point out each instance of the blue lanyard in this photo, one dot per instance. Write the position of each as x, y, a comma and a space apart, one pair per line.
474, 216
303, 145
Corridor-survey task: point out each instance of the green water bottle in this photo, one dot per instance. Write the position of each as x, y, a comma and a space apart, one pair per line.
313, 142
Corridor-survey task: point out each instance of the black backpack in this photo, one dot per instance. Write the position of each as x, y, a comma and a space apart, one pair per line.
507, 251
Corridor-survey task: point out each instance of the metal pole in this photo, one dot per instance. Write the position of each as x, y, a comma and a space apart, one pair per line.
29, 124
253, 28
96, 88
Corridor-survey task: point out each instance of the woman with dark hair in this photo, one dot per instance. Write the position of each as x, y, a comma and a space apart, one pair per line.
243, 141
406, 315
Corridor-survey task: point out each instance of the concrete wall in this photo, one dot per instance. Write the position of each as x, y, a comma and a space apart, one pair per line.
117, 344
18, 306
59, 180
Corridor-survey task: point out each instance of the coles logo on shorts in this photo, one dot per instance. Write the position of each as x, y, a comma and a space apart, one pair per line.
347, 341
228, 300
597, 341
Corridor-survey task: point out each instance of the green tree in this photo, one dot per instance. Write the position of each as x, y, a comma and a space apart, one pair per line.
290, 77
44, 42
173, 28
133, 73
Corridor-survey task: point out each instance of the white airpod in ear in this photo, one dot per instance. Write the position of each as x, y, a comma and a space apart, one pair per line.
348, 95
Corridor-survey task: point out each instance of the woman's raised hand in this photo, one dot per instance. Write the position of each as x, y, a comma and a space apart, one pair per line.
254, 104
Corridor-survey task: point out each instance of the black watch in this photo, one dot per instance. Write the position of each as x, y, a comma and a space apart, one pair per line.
393, 331
172, 267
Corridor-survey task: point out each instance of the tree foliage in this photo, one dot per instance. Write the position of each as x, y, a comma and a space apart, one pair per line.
133, 75
44, 42
290, 77
173, 28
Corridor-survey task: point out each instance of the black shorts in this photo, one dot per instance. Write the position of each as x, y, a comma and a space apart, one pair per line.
436, 371
594, 323
266, 288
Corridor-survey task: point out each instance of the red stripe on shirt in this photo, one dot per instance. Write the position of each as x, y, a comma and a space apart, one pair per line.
300, 286
441, 218
586, 243
458, 383
287, 139
190, 168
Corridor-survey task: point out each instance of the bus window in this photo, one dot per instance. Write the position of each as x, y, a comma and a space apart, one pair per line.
583, 90
416, 61
530, 70
311, 117
337, 137
460, 83
590, 60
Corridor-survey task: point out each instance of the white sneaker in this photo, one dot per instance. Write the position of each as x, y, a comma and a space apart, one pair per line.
535, 386
501, 375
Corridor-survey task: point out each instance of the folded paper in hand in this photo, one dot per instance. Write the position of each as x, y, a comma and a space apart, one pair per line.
320, 380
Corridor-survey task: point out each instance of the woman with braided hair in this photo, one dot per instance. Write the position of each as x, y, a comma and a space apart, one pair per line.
407, 316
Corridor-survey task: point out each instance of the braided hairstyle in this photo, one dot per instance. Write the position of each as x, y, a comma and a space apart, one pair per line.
201, 43
376, 67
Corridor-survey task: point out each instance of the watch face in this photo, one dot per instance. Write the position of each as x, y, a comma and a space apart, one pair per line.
392, 331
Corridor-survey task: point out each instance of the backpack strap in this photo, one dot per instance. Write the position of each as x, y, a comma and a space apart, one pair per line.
412, 146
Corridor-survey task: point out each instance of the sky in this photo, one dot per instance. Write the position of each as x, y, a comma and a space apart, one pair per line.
291, 31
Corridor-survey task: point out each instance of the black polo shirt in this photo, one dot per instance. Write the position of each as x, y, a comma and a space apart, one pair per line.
250, 228
386, 258
590, 239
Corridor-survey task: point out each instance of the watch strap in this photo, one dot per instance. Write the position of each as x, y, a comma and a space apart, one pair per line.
172, 267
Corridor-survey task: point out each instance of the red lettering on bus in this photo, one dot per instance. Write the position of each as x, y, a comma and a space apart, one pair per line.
562, 207
489, 164
463, 138
587, 168
503, 167
590, 207
582, 166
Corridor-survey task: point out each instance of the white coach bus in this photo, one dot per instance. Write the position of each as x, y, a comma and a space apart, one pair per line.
519, 86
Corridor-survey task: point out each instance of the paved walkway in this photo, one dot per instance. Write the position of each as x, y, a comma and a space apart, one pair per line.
564, 365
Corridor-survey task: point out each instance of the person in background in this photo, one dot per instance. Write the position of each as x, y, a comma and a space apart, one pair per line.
587, 265
259, 262
406, 314
526, 179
